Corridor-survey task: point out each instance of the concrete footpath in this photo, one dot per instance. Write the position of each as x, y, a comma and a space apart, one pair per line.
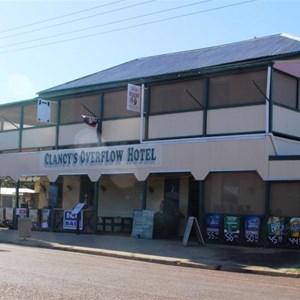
256, 260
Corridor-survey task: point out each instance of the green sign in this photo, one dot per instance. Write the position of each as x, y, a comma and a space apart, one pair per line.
231, 228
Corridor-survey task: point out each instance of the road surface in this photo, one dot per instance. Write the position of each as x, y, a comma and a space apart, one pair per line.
34, 273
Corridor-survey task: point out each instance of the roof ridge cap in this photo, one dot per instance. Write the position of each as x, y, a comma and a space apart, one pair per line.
290, 36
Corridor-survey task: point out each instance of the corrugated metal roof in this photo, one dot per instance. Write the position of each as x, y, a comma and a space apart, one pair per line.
274, 45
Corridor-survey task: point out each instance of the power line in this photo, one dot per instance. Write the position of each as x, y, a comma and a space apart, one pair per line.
59, 17
106, 24
76, 20
130, 27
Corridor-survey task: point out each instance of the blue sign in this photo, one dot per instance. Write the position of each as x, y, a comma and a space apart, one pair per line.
70, 220
252, 227
213, 222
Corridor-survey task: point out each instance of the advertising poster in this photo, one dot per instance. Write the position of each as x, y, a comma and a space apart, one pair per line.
231, 228
292, 229
9, 216
45, 218
9, 213
33, 216
70, 220
21, 212
275, 230
213, 222
252, 227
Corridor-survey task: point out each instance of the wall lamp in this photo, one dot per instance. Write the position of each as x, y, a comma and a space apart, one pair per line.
151, 189
69, 187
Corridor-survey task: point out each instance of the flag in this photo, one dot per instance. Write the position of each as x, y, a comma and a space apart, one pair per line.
89, 120
93, 122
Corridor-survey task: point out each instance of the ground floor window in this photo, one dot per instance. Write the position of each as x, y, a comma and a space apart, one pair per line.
285, 198
234, 193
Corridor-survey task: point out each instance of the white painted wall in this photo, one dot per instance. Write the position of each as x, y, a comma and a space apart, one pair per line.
286, 121
9, 140
38, 137
236, 120
176, 125
121, 130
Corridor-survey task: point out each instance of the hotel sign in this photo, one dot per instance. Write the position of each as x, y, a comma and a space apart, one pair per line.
89, 158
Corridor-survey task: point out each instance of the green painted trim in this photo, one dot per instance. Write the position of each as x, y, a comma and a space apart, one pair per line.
147, 103
144, 195
176, 138
205, 97
175, 112
266, 215
38, 127
100, 114
73, 146
95, 200
18, 103
201, 205
121, 143
286, 107
297, 94
284, 157
244, 133
21, 127
58, 125
237, 105
286, 136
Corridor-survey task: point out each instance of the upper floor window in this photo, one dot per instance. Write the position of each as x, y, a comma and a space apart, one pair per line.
10, 118
71, 109
115, 105
284, 89
178, 96
237, 89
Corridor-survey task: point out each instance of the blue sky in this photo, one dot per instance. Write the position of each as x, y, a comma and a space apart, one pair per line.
35, 54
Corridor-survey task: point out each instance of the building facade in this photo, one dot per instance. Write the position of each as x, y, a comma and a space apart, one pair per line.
218, 139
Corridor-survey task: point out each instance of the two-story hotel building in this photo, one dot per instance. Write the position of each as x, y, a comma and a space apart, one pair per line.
219, 140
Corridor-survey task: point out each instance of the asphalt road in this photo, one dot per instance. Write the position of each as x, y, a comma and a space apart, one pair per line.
33, 273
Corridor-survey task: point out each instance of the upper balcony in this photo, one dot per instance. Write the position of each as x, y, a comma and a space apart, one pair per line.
246, 102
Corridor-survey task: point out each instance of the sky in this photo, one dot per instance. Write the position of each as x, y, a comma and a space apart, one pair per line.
47, 43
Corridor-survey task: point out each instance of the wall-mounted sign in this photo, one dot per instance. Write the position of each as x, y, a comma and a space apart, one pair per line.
231, 228
292, 229
134, 97
107, 157
43, 111
213, 222
45, 218
275, 229
70, 220
21, 212
252, 227
142, 226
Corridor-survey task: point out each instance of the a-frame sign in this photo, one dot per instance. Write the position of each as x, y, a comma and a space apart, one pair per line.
192, 221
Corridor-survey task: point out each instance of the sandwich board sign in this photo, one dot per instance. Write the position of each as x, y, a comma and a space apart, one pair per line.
192, 221
142, 226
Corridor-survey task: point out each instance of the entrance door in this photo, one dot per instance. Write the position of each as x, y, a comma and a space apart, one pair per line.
171, 205
193, 207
